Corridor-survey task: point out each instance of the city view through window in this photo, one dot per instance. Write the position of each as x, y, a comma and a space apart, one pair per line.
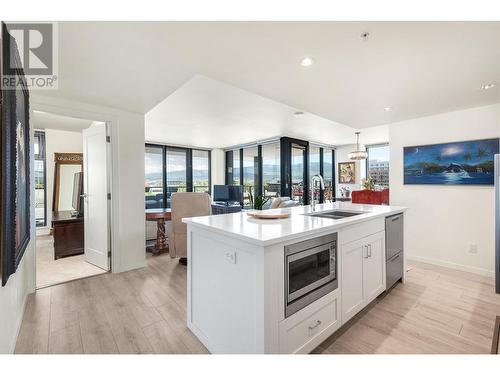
378, 165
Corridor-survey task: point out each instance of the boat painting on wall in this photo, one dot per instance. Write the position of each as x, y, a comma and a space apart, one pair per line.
456, 163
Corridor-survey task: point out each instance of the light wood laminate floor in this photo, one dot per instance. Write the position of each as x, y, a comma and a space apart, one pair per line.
438, 310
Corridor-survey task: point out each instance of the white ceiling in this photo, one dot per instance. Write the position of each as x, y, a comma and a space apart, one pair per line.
207, 113
418, 68
44, 120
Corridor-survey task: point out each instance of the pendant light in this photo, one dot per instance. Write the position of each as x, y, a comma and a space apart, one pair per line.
358, 154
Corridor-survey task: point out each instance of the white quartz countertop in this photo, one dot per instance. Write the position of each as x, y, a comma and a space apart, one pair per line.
265, 232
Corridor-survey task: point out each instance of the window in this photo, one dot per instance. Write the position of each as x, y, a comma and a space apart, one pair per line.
250, 175
40, 180
236, 168
271, 173
314, 166
174, 169
263, 170
298, 172
321, 162
328, 178
154, 178
377, 165
201, 168
176, 166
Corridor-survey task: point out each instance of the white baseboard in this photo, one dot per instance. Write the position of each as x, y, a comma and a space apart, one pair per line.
19, 322
456, 266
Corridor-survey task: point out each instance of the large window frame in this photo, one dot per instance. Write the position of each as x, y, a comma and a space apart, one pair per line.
230, 158
189, 167
285, 145
322, 160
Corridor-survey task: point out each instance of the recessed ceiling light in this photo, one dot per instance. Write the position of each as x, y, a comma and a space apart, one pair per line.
364, 36
307, 61
488, 86
387, 109
298, 114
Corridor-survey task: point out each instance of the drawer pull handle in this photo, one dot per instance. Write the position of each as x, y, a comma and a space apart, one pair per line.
318, 322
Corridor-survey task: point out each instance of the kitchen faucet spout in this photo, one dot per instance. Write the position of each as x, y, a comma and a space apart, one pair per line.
316, 178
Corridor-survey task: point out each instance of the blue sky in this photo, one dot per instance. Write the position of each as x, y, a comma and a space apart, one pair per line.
451, 152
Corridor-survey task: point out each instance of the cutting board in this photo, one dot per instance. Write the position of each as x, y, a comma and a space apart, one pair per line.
268, 215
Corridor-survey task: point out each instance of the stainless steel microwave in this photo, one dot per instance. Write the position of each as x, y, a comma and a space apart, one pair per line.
310, 271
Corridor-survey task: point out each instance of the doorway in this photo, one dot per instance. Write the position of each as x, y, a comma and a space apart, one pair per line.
72, 178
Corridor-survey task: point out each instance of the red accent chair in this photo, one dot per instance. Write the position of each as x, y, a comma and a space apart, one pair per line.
370, 197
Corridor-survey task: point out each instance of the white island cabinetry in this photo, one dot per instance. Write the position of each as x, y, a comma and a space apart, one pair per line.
236, 277
363, 271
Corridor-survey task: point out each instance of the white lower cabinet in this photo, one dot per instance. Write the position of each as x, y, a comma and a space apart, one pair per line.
363, 273
307, 328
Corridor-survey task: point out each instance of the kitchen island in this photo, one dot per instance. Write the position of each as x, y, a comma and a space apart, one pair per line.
284, 286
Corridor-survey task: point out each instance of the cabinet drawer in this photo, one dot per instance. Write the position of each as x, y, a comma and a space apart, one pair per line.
361, 230
394, 270
301, 333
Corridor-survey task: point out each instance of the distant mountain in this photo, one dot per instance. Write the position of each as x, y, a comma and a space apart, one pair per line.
270, 172
198, 174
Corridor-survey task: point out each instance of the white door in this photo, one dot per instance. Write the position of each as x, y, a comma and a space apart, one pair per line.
95, 192
352, 278
373, 267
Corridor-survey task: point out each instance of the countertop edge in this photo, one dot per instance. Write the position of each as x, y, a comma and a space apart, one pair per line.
273, 241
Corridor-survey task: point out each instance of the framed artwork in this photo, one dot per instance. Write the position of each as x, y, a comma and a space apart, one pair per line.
15, 161
347, 173
455, 163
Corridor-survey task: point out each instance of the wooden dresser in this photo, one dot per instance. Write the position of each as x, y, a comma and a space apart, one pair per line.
68, 234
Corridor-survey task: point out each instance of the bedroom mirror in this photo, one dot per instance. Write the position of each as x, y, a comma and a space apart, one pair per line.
66, 166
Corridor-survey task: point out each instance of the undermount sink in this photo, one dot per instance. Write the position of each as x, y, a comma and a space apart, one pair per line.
335, 214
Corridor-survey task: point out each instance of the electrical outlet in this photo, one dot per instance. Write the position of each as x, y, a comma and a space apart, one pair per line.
473, 248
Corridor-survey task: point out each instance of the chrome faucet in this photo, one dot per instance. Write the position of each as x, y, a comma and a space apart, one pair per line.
314, 179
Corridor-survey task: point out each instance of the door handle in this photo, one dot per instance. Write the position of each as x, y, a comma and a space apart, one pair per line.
396, 257
318, 322
369, 251
366, 246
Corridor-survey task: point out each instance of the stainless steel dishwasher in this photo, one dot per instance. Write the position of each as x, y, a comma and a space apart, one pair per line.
394, 243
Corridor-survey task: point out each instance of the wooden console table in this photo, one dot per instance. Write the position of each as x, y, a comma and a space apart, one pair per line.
160, 215
68, 234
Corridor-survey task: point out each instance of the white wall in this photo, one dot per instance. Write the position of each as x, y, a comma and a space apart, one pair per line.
127, 144
342, 155
57, 141
442, 220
